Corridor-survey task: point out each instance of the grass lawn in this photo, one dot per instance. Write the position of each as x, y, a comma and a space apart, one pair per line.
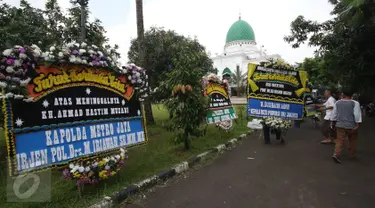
144, 161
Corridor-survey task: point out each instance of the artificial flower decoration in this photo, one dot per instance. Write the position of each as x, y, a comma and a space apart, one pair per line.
18, 63
277, 123
277, 64
138, 78
15, 66
95, 171
77, 53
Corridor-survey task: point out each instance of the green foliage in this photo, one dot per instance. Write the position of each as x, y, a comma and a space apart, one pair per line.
345, 43
187, 105
21, 26
50, 27
162, 49
319, 76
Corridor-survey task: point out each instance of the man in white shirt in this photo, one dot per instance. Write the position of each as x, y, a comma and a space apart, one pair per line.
328, 133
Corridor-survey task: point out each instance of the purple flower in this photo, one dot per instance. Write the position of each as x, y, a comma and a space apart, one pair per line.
66, 174
22, 50
10, 61
75, 52
4, 59
84, 58
104, 58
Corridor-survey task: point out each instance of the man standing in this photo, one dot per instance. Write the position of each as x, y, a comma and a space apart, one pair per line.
328, 133
346, 117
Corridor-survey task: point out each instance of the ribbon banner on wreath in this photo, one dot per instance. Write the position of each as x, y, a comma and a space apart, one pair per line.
220, 106
275, 91
77, 113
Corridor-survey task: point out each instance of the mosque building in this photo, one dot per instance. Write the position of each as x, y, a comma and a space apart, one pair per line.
240, 49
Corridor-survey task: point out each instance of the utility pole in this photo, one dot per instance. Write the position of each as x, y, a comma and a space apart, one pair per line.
83, 4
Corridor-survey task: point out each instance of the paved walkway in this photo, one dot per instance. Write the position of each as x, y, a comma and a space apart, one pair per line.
298, 175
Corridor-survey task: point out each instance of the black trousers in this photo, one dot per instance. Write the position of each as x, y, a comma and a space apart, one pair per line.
267, 132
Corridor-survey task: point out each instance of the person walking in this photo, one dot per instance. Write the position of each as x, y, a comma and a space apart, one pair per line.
346, 119
327, 132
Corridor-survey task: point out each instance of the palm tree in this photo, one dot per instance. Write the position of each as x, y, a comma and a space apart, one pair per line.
142, 56
239, 80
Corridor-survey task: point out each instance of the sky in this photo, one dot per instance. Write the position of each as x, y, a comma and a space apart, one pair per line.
208, 20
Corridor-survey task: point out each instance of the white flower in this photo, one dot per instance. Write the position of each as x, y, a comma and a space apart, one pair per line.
122, 150
90, 64
84, 61
51, 56
113, 159
61, 54
3, 84
22, 56
18, 96
17, 62
70, 44
72, 59
52, 48
7, 52
9, 95
76, 167
100, 53
83, 45
82, 51
76, 44
87, 169
106, 160
124, 71
129, 77
9, 69
94, 46
71, 165
17, 46
107, 167
25, 81
95, 164
122, 154
36, 53
117, 157
78, 60
81, 169
45, 54
139, 81
28, 100
91, 51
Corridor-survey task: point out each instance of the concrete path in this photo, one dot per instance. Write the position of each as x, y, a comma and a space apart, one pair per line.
300, 174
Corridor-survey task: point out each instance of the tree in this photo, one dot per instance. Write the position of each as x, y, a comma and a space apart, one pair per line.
142, 57
239, 80
21, 26
345, 42
162, 47
95, 32
187, 105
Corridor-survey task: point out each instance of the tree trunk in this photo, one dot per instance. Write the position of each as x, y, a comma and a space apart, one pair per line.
186, 140
142, 56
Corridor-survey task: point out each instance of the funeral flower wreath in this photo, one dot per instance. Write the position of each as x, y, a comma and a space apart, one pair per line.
17, 65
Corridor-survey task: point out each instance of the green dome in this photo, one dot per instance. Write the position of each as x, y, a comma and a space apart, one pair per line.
227, 71
240, 30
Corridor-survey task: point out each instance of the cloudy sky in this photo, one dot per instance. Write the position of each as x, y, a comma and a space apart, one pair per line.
208, 20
